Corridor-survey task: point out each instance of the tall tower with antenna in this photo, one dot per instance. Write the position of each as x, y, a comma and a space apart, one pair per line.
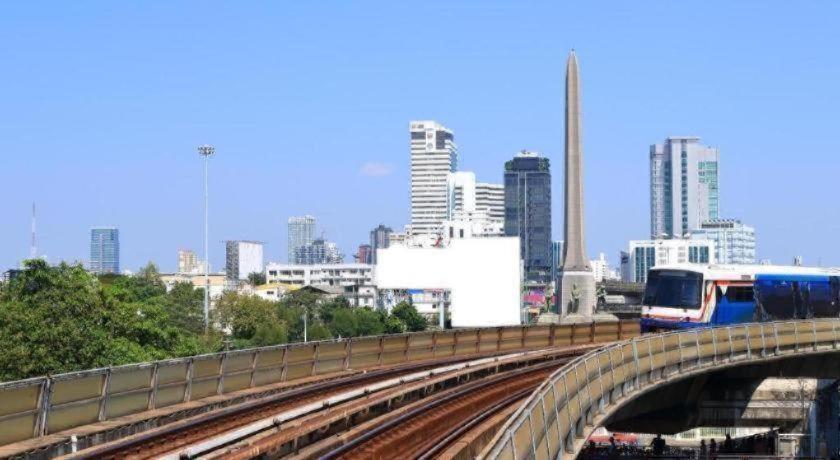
33, 249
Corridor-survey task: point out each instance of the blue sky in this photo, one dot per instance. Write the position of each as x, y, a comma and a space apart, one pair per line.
308, 104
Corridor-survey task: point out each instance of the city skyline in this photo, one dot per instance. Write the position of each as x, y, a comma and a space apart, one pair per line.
141, 143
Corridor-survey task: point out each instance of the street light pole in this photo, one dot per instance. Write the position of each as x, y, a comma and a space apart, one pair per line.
205, 151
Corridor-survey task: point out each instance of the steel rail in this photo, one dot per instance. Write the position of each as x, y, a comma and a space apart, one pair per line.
464, 428
134, 442
434, 404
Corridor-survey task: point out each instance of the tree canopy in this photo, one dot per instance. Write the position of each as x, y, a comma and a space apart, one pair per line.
62, 318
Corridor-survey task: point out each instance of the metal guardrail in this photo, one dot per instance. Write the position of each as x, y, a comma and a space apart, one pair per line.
560, 414
39, 406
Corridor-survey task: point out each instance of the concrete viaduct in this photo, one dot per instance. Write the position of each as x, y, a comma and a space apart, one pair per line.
664, 383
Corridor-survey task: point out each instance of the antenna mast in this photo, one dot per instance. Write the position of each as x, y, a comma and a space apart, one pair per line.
33, 249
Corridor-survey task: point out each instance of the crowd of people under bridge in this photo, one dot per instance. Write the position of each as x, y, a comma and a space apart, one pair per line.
759, 444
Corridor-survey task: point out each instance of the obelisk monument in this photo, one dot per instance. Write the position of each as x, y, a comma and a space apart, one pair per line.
577, 282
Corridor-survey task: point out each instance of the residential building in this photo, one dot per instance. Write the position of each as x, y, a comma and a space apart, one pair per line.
490, 198
472, 225
646, 254
353, 281
320, 251
624, 264
380, 238
528, 212
104, 250
365, 254
217, 281
683, 186
188, 262
602, 270
556, 258
243, 258
433, 156
301, 232
734, 241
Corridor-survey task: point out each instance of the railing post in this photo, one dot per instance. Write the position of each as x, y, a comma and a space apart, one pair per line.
814, 325
254, 360
620, 330
220, 387
776, 334
714, 347
748, 340
763, 342
499, 334
103, 400
731, 347
795, 337
348, 351
545, 430
636, 361
381, 348
188, 387
566, 403
557, 417
44, 402
284, 372
572, 336
552, 338
697, 344
316, 353
407, 344
592, 332
153, 383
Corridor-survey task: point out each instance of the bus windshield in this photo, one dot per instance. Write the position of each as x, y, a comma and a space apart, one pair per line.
673, 288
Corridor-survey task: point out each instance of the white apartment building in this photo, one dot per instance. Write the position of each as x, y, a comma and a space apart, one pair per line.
472, 225
434, 156
353, 281
243, 258
602, 270
490, 198
734, 241
683, 186
320, 274
646, 254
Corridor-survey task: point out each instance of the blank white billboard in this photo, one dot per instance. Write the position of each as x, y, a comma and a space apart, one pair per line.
482, 275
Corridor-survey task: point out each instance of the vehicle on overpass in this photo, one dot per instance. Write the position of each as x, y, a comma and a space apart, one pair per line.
684, 296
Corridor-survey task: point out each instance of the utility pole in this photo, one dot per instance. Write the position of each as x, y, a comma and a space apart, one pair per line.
206, 151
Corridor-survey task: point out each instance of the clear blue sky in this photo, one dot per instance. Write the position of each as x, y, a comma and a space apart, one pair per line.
103, 103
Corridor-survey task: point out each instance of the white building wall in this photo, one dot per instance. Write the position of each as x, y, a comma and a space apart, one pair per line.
320, 275
481, 274
250, 258
646, 254
734, 241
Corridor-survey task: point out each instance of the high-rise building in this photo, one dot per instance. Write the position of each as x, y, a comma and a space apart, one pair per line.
490, 198
319, 251
380, 238
187, 261
364, 254
602, 270
528, 212
104, 250
301, 233
243, 258
433, 156
734, 241
683, 186
646, 254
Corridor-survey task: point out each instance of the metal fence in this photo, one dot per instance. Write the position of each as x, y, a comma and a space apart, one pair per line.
590, 388
39, 406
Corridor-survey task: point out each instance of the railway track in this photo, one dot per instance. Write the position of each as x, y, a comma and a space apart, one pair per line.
158, 441
424, 410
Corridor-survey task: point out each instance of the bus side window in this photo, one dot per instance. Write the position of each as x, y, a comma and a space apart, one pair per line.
820, 300
776, 299
740, 294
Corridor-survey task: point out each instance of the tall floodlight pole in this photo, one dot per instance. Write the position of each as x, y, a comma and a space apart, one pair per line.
205, 151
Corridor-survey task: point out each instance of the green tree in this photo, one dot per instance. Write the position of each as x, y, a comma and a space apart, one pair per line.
318, 331
256, 278
394, 325
368, 322
408, 314
244, 314
185, 306
270, 334
344, 323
